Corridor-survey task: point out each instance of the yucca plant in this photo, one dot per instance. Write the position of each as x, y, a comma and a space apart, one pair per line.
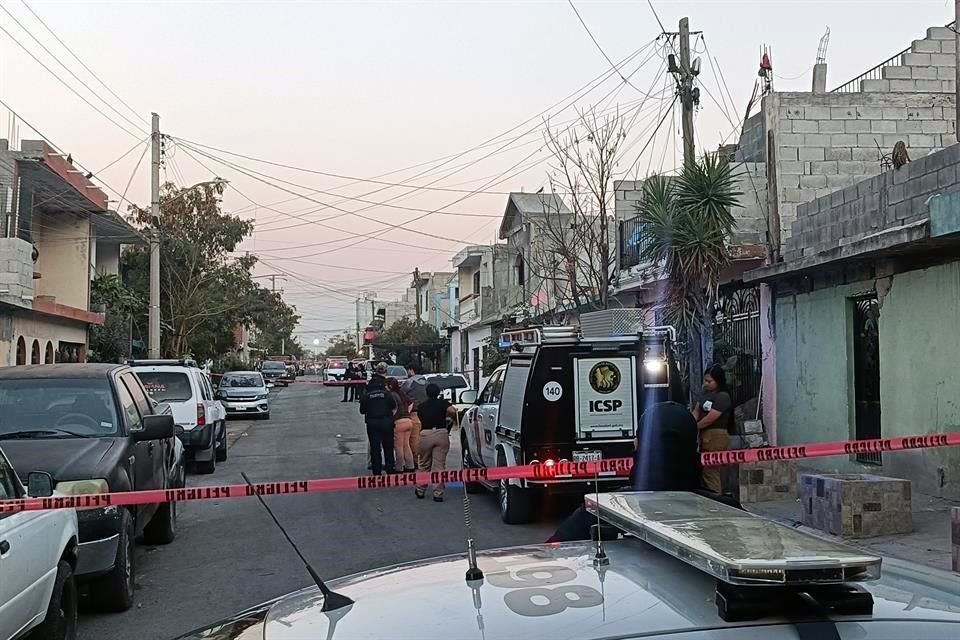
688, 224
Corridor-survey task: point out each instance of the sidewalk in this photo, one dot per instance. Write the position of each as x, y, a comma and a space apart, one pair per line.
929, 543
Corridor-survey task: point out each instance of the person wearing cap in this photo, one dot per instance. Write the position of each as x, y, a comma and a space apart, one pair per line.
434, 437
378, 406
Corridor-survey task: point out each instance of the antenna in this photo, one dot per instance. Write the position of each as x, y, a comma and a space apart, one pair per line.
822, 48
473, 571
600, 558
331, 599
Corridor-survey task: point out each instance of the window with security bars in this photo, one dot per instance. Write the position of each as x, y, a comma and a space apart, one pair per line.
866, 372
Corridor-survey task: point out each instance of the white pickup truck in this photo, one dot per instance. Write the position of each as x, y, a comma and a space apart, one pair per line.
38, 554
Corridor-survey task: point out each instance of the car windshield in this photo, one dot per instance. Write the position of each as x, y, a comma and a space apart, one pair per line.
396, 372
448, 382
57, 407
242, 380
338, 364
273, 366
166, 386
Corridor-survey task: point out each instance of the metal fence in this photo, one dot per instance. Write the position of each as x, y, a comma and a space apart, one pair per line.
633, 241
736, 341
875, 73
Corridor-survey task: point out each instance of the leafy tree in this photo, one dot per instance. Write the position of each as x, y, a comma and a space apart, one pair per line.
344, 344
204, 292
493, 357
407, 331
688, 224
111, 342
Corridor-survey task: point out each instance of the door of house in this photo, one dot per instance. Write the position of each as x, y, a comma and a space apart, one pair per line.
866, 372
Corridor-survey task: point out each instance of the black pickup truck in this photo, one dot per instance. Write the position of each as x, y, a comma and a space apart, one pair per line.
94, 429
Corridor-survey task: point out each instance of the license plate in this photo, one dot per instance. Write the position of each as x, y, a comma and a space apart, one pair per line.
586, 456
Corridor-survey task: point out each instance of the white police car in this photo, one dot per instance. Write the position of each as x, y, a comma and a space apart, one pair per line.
687, 568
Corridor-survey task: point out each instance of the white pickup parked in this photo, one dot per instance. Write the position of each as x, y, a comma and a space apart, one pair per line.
38, 553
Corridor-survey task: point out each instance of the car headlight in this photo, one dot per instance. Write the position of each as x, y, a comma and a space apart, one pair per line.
263, 396
83, 487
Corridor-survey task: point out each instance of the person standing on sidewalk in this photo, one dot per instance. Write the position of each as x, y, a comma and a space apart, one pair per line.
415, 388
402, 425
434, 437
377, 405
713, 416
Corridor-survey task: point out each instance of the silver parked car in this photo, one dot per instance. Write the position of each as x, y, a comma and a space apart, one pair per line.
245, 393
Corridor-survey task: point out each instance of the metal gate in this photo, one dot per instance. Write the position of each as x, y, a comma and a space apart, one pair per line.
866, 371
736, 341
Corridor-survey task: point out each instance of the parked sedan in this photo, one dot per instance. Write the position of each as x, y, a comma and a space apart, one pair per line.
245, 393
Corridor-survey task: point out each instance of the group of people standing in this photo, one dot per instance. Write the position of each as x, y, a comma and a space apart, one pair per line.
352, 393
408, 426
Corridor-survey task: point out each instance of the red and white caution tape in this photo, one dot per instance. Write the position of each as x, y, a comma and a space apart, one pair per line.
537, 472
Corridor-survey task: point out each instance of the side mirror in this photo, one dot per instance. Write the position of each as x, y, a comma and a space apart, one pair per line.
40, 484
155, 428
468, 397
270, 385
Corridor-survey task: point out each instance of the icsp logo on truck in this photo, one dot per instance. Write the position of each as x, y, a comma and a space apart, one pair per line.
604, 377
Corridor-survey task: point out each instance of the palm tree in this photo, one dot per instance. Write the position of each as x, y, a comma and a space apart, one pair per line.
688, 223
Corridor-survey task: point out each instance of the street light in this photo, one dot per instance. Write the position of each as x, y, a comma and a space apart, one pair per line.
154, 326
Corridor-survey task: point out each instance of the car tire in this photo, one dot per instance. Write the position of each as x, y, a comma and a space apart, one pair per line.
162, 528
60, 622
208, 467
222, 445
114, 592
516, 503
469, 487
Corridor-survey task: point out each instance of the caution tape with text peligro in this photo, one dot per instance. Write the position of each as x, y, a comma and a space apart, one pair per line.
534, 472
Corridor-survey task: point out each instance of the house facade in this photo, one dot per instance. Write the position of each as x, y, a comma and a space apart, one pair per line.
57, 235
865, 320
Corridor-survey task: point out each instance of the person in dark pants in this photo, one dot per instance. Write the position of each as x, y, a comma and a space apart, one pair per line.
666, 459
359, 373
378, 406
347, 377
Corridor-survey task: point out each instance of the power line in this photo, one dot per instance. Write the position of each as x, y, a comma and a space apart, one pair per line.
67, 85
599, 48
82, 64
68, 69
55, 146
125, 154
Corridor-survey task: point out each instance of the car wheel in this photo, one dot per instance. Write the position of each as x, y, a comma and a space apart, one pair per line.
222, 445
209, 466
515, 503
60, 622
114, 591
469, 487
162, 529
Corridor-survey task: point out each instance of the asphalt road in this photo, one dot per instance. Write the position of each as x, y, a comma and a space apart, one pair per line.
228, 555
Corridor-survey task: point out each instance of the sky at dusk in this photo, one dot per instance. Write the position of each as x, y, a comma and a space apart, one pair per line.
450, 95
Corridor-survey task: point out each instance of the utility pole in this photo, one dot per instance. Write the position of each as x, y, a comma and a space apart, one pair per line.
686, 92
154, 324
956, 37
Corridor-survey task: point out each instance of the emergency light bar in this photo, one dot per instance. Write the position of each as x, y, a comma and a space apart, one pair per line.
734, 546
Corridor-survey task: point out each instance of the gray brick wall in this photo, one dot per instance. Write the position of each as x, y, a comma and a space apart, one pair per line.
753, 142
832, 141
892, 199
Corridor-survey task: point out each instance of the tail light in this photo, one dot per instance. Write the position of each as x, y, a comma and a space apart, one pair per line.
201, 415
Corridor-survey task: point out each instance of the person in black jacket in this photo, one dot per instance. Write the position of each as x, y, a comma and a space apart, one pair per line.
377, 405
667, 459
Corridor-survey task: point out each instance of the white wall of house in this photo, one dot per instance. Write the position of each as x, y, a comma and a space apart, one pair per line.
63, 242
41, 329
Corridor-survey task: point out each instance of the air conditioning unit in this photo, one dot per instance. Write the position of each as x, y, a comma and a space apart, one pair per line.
611, 323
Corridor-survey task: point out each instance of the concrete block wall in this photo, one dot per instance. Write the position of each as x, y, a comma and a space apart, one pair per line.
751, 215
929, 67
627, 195
16, 272
753, 141
895, 198
832, 141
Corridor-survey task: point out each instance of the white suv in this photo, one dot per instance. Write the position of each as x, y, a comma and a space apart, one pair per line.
201, 419
38, 554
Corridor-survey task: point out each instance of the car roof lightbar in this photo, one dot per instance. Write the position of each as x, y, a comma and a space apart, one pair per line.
747, 554
169, 362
